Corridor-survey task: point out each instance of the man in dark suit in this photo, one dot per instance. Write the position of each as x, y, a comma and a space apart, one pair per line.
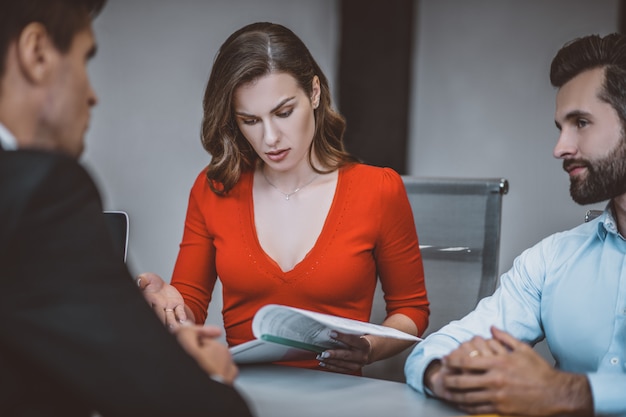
76, 335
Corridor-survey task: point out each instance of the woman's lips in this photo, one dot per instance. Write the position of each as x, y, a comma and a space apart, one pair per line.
277, 156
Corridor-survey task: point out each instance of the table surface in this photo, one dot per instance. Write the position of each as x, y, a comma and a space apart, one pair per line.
277, 391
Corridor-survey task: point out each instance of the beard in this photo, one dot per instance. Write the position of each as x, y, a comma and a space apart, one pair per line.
605, 178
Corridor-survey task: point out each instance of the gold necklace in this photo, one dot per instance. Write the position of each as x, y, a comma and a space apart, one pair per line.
287, 195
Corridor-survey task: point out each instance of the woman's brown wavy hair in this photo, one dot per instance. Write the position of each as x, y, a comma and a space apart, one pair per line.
252, 52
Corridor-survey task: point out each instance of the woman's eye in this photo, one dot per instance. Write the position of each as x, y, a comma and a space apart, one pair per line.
285, 113
249, 122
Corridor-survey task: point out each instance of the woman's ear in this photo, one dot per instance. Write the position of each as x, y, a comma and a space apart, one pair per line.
316, 92
36, 53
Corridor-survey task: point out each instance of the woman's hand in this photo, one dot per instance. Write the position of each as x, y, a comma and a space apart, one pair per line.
350, 359
363, 350
164, 299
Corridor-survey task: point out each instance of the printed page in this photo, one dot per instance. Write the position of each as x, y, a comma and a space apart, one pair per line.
314, 328
290, 323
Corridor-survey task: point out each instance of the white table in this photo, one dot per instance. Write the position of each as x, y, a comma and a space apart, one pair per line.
277, 391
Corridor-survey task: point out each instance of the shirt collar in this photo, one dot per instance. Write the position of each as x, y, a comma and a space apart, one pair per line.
606, 223
7, 140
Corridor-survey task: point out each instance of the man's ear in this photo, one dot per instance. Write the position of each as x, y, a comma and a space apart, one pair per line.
36, 53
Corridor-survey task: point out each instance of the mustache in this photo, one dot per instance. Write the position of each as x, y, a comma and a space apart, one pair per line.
570, 164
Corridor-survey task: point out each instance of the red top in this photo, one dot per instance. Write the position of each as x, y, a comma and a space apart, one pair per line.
369, 232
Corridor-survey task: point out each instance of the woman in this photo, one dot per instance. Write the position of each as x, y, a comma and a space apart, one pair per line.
283, 214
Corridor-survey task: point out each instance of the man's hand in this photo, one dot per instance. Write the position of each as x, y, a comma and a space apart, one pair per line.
211, 355
506, 376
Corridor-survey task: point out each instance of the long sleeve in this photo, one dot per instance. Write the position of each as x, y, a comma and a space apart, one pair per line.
514, 307
75, 329
368, 234
398, 258
567, 288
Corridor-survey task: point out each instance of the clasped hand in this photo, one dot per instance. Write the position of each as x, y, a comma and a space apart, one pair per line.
501, 375
350, 359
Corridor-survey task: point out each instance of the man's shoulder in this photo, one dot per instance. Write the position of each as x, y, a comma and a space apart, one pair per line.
36, 185
27, 168
561, 246
34, 159
35, 163
582, 231
26, 175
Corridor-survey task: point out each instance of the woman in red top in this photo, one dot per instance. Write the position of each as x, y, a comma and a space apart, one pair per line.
283, 214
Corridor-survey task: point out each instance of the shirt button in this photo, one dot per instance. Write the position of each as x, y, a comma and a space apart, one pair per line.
614, 361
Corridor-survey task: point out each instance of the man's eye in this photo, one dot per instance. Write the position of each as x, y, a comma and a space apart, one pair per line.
580, 123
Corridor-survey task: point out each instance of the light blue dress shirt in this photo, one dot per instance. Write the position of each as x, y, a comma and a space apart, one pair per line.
569, 289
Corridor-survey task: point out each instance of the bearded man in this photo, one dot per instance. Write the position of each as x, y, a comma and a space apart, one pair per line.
569, 289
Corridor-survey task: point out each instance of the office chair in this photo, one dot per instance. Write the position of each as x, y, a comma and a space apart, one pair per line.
458, 224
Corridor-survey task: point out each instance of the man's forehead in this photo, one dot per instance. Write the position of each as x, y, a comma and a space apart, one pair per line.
580, 92
85, 41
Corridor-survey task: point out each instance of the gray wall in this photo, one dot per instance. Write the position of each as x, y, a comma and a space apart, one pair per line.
482, 104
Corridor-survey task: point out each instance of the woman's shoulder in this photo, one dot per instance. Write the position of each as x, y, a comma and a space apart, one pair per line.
374, 189
371, 171
204, 187
383, 177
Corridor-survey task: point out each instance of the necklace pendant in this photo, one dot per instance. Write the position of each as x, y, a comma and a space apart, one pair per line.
287, 195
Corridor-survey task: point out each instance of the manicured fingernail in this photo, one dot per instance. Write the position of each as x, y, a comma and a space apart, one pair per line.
333, 334
323, 355
322, 364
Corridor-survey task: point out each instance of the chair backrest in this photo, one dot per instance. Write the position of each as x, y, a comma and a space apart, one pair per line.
117, 222
458, 225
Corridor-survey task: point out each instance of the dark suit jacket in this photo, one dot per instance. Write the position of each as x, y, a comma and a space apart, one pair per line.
75, 333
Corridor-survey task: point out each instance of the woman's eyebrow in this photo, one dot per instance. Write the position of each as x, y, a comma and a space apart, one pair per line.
282, 103
278, 106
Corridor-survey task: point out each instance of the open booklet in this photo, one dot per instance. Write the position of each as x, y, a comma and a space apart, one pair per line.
289, 334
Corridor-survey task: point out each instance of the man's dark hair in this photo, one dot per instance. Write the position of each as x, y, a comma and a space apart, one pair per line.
590, 52
61, 18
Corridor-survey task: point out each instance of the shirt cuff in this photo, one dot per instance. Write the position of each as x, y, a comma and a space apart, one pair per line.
608, 391
414, 369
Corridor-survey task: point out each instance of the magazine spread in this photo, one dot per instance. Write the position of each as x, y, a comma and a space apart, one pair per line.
287, 334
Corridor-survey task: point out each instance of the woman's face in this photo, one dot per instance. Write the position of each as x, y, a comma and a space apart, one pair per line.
276, 117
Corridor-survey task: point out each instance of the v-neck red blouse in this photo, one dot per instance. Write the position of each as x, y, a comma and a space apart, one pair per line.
368, 233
